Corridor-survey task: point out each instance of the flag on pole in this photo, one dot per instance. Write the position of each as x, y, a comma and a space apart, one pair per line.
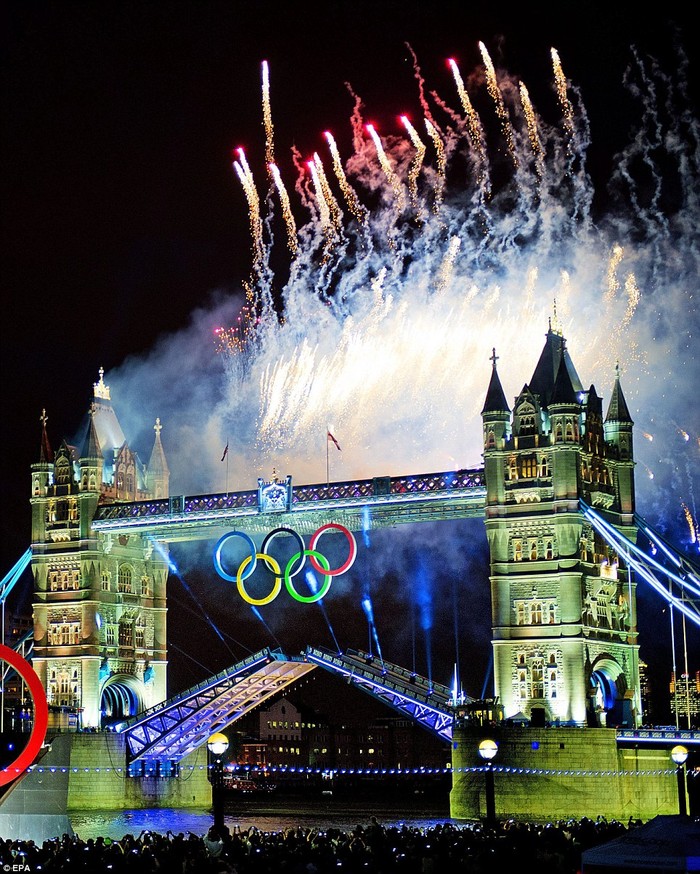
225, 451
337, 445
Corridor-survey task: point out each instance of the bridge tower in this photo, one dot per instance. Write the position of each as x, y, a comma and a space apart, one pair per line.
99, 603
564, 616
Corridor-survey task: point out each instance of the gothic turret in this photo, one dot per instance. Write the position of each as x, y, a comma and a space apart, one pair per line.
563, 605
158, 473
618, 437
495, 416
98, 603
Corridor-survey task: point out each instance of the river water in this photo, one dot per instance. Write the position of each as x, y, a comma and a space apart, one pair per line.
265, 814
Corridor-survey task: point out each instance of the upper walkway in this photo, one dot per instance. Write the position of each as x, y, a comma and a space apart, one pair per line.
365, 504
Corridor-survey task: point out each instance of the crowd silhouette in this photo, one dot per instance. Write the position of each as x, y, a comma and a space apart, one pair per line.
373, 848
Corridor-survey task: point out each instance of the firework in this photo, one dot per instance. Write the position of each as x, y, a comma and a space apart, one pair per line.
417, 161
286, 209
560, 82
441, 163
392, 178
408, 299
497, 97
532, 133
361, 214
246, 177
267, 117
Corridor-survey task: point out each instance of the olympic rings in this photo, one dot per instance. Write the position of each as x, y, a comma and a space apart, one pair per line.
326, 582
295, 564
41, 715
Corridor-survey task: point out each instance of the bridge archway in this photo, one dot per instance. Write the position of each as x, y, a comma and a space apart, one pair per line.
609, 703
120, 699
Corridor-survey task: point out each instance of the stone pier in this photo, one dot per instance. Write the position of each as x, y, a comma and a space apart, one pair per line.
89, 772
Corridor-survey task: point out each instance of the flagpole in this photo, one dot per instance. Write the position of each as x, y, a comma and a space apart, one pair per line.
328, 475
227, 469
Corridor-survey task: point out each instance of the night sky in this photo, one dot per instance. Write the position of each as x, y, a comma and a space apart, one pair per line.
125, 235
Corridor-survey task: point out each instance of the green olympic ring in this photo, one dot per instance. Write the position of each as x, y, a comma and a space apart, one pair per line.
326, 577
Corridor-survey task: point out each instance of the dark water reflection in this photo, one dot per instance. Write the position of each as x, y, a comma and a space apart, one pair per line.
266, 814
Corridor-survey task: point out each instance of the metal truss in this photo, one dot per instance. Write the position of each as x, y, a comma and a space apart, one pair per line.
670, 574
176, 727
429, 704
369, 503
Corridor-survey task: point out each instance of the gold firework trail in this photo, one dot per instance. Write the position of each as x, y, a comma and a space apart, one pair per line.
417, 161
333, 208
441, 163
633, 295
473, 121
246, 177
497, 97
348, 192
532, 132
564, 102
612, 282
447, 266
267, 117
392, 178
292, 241
691, 523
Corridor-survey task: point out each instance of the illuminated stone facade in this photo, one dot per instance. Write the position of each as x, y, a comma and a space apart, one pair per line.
99, 603
563, 605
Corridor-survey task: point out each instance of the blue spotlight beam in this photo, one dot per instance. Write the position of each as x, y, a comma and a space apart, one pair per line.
427, 703
648, 568
10, 579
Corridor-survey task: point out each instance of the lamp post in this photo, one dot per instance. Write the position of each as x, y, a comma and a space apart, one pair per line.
679, 754
487, 750
217, 746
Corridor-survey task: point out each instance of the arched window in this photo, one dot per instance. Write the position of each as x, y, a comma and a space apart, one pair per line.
518, 550
533, 550
124, 579
490, 440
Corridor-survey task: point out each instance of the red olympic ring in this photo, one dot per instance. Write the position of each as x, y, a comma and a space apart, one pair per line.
41, 714
318, 562
350, 559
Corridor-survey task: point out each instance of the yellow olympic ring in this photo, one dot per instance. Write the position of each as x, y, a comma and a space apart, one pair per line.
274, 567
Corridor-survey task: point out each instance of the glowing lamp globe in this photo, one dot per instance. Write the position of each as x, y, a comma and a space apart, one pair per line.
217, 744
679, 754
488, 749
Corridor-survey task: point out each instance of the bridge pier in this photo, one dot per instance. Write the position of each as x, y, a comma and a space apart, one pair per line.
88, 771
531, 779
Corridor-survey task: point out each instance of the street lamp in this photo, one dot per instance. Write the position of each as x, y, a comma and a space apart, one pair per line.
217, 746
487, 750
679, 754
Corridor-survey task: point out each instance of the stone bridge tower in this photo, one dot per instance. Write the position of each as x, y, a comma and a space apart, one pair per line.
99, 604
563, 604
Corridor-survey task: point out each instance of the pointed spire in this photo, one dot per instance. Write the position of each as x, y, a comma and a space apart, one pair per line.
45, 451
157, 462
547, 369
91, 445
563, 391
495, 397
618, 410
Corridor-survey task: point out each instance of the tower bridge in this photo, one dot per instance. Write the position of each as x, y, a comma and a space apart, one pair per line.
556, 493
